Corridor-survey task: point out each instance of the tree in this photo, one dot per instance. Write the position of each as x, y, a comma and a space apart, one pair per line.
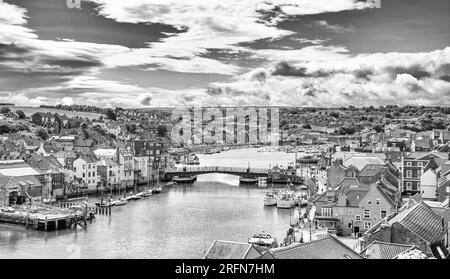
42, 133
378, 128
5, 110
84, 126
20, 114
110, 114
162, 130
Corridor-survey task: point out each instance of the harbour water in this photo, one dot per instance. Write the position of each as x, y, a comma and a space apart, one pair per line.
181, 222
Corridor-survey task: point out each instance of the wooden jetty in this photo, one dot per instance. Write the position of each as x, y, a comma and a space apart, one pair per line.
50, 218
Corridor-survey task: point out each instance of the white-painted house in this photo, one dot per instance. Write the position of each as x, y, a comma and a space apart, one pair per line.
85, 168
428, 185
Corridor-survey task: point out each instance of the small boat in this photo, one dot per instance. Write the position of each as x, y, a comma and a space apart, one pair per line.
244, 180
270, 198
119, 202
157, 190
147, 193
139, 195
170, 183
264, 240
132, 197
104, 204
189, 179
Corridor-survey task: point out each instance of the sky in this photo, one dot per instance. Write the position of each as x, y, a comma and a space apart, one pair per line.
171, 53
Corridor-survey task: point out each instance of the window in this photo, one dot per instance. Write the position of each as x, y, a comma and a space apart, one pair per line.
366, 214
408, 164
408, 185
84, 167
369, 202
378, 201
327, 212
420, 164
366, 225
382, 214
357, 217
448, 189
408, 174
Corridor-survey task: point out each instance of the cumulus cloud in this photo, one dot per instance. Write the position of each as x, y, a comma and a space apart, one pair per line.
389, 78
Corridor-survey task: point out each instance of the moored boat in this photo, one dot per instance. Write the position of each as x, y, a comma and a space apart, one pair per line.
264, 240
148, 193
270, 199
119, 202
157, 190
188, 179
248, 180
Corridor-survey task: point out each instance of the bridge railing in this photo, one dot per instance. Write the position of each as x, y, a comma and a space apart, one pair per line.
216, 169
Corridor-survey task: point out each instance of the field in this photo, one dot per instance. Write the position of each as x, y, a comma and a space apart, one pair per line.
31, 110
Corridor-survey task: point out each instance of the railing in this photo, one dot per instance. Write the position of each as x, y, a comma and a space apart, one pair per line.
217, 169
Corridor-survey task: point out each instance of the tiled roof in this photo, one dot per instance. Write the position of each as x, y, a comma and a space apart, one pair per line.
229, 250
384, 250
326, 248
421, 220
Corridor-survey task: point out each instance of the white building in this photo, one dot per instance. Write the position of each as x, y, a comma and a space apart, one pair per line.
85, 168
428, 185
110, 172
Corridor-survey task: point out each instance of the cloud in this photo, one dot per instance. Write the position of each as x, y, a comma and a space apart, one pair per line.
380, 78
336, 28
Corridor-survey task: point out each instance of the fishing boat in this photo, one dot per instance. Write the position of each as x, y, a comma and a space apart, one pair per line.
286, 201
270, 198
287, 198
264, 240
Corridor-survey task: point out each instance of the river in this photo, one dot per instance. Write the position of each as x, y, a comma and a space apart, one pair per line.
181, 222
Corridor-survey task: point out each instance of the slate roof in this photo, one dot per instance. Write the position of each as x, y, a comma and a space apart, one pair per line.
354, 196
371, 170
384, 250
422, 221
327, 248
393, 156
229, 250
361, 162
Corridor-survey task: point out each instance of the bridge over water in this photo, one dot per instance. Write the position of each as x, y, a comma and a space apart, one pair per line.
197, 170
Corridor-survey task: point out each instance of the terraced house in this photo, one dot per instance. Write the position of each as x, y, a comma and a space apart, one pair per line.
415, 164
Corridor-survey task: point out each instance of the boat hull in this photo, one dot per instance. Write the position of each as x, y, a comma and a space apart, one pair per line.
286, 204
270, 202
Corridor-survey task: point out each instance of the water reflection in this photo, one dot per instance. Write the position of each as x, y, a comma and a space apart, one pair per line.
178, 223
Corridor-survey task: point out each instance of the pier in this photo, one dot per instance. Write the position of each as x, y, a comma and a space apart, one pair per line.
46, 221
